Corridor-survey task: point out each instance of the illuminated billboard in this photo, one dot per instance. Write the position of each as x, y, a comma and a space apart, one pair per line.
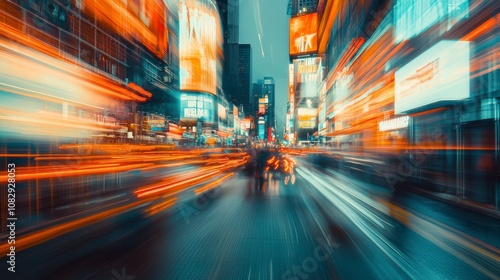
262, 131
246, 124
143, 20
306, 74
394, 124
439, 74
303, 34
194, 106
291, 87
200, 42
221, 112
307, 117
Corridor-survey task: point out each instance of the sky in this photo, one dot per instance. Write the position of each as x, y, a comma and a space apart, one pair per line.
264, 25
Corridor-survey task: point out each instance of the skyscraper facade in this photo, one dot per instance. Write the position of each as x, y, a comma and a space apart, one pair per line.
230, 72
105, 66
229, 13
262, 102
242, 97
269, 88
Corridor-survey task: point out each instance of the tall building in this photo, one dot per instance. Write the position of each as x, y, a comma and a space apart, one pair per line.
257, 90
229, 14
262, 102
373, 103
102, 68
200, 68
229, 11
269, 87
237, 74
244, 77
167, 101
230, 77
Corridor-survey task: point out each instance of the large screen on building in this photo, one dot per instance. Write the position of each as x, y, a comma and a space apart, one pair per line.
439, 74
195, 105
245, 124
143, 20
221, 112
199, 44
262, 131
306, 74
307, 117
303, 34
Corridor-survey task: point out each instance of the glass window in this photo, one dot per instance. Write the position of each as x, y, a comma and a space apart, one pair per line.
414, 17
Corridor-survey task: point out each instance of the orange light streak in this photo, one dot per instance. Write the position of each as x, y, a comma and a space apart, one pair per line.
212, 184
160, 188
482, 29
160, 206
67, 173
58, 230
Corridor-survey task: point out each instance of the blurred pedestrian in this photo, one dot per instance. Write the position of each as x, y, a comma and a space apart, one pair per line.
262, 157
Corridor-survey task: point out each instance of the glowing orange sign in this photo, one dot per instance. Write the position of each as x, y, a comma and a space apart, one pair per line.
200, 39
303, 34
144, 20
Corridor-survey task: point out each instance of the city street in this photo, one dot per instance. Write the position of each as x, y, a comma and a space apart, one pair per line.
327, 225
244, 139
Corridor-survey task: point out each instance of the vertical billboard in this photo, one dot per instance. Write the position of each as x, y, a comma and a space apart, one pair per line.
291, 87
263, 105
306, 74
143, 20
303, 34
200, 45
221, 112
261, 128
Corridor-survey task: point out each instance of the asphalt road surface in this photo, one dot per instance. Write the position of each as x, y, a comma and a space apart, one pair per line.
328, 225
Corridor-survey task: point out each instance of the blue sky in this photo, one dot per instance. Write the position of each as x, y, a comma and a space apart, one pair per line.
264, 25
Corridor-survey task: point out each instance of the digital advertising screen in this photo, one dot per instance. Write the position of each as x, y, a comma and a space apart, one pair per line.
245, 124
442, 73
262, 131
221, 112
199, 43
306, 74
303, 34
307, 117
195, 105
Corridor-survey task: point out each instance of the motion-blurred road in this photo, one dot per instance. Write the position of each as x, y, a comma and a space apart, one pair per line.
328, 225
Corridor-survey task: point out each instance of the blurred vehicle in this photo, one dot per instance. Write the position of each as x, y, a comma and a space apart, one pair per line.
280, 167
